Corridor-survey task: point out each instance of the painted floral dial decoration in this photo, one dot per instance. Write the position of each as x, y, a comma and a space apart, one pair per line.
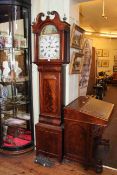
49, 46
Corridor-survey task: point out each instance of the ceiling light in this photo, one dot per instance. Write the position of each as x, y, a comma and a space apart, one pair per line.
109, 35
88, 33
103, 10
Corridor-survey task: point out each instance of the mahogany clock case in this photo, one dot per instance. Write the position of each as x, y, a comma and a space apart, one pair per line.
49, 56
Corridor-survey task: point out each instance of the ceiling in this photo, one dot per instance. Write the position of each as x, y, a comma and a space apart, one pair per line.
91, 16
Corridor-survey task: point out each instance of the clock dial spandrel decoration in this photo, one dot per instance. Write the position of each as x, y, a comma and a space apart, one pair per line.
49, 29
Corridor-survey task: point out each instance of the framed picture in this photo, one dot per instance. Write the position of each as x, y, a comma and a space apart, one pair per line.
114, 68
115, 63
76, 40
105, 63
99, 52
99, 63
105, 53
76, 63
115, 57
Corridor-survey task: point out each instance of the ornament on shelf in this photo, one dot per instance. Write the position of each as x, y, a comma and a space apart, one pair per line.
6, 70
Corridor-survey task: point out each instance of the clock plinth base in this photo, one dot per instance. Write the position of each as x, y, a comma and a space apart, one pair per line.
49, 140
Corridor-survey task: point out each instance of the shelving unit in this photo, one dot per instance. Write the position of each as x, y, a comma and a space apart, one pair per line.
16, 121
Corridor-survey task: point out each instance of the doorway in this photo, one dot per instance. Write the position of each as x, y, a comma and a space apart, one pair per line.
95, 19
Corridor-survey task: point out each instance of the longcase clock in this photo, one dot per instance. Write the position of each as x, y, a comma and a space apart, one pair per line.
52, 47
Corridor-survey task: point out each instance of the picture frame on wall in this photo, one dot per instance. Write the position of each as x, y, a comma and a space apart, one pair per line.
115, 60
76, 39
105, 63
99, 63
115, 63
114, 68
99, 52
76, 63
115, 57
105, 53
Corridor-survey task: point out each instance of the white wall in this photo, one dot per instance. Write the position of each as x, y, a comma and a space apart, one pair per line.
111, 46
61, 6
35, 75
72, 91
74, 12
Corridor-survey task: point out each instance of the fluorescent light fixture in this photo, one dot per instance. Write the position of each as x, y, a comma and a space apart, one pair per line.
88, 33
108, 35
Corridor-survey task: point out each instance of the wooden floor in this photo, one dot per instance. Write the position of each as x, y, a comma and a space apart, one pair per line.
24, 165
110, 156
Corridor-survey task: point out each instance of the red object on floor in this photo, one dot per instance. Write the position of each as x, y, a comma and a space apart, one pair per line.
21, 140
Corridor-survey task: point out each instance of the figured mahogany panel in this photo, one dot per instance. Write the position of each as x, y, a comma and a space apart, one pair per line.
49, 140
50, 96
50, 101
76, 137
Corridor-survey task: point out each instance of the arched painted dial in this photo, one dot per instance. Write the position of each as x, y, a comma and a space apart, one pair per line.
49, 46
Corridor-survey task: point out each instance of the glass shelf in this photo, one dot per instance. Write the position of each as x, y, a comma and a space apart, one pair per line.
14, 48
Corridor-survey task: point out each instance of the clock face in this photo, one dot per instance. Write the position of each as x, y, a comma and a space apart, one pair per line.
49, 46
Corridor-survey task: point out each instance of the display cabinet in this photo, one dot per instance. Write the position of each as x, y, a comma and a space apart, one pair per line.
16, 122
